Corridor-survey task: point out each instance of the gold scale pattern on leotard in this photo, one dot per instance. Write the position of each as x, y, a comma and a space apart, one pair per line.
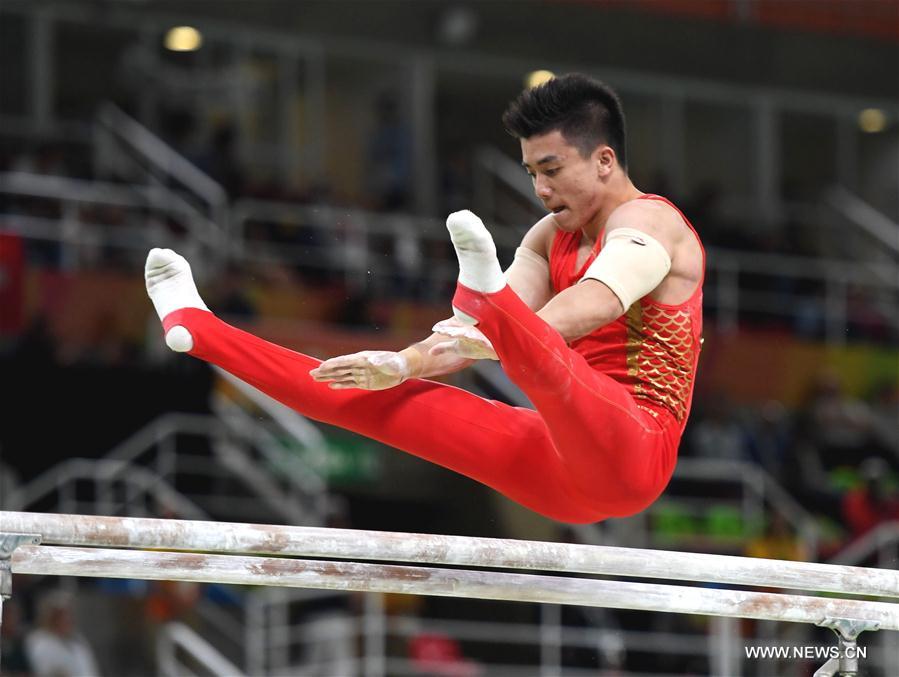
661, 353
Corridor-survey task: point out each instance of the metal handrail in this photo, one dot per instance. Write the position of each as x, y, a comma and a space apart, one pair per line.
103, 471
139, 232
159, 429
493, 168
304, 483
175, 635
303, 476
759, 488
873, 542
166, 426
328, 216
324, 218
297, 425
229, 627
319, 217
865, 217
509, 172
752, 475
169, 162
96, 192
765, 488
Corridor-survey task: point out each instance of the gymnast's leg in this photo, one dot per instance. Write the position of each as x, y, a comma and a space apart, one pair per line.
504, 447
615, 451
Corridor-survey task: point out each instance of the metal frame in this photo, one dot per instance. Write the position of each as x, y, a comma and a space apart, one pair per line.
8, 544
173, 540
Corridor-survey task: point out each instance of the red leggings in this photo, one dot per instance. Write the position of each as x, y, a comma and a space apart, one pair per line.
586, 453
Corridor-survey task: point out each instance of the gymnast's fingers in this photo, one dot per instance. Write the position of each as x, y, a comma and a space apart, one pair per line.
344, 384
330, 374
338, 365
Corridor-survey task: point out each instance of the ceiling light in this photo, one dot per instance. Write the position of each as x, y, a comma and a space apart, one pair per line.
872, 120
183, 39
537, 78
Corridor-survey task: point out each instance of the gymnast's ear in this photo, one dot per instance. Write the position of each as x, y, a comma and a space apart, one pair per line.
605, 159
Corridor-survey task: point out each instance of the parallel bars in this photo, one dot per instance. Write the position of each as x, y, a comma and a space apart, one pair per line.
181, 552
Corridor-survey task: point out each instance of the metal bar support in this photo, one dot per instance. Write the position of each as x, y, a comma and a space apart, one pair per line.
845, 663
8, 543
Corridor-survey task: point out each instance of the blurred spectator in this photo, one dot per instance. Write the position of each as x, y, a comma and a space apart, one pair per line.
770, 439
865, 320
329, 637
718, 433
48, 158
838, 427
166, 602
408, 261
442, 271
94, 252
832, 430
9, 483
54, 648
178, 129
37, 346
439, 655
13, 657
885, 411
219, 160
172, 600
390, 157
703, 208
12, 284
875, 501
456, 190
809, 308
778, 542
232, 299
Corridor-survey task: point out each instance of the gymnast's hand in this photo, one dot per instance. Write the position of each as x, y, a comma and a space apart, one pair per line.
463, 340
368, 370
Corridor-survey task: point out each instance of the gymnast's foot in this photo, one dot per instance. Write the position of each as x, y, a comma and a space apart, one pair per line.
171, 287
478, 267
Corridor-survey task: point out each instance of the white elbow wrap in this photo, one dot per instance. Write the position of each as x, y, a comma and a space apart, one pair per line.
528, 259
631, 264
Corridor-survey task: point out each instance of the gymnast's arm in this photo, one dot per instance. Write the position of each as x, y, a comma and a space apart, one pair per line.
528, 276
438, 355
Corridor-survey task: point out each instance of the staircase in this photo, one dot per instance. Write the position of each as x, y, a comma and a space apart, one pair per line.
252, 460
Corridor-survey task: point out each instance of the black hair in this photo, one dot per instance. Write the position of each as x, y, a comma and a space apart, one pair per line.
586, 111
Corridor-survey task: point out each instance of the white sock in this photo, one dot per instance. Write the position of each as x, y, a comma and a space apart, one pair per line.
171, 287
478, 267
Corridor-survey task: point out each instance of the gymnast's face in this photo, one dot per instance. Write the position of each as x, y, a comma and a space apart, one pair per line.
570, 185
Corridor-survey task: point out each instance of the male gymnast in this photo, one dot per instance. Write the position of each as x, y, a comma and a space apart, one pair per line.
597, 320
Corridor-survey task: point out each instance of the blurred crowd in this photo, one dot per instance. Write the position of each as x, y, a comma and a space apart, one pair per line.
44, 628
51, 646
836, 455
327, 247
